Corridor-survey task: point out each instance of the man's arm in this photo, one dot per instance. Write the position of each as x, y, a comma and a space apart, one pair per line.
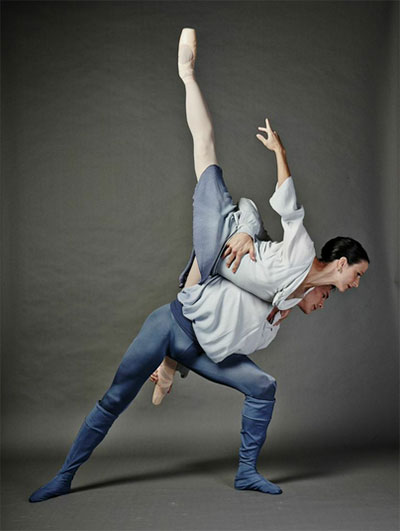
236, 247
241, 243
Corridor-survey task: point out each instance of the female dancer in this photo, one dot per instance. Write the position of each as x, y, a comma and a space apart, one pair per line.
279, 272
167, 332
282, 271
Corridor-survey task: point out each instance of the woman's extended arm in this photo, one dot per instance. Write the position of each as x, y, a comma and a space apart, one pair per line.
240, 244
273, 143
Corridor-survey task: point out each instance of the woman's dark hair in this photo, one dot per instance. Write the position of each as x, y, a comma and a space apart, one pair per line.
342, 246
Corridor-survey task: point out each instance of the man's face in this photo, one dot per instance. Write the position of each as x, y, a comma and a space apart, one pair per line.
315, 300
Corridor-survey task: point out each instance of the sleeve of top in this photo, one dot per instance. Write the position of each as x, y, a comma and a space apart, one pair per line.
297, 244
250, 220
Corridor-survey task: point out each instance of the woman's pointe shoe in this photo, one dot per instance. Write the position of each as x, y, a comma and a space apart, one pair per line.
187, 53
166, 372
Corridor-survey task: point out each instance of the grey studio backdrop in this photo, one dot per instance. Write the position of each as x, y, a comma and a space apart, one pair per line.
97, 186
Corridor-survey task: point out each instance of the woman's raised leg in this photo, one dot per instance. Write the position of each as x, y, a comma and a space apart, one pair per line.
200, 125
197, 113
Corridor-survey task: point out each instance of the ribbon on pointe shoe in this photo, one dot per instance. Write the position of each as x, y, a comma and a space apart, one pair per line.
166, 373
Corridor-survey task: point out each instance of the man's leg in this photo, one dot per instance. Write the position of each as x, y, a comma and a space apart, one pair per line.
142, 357
239, 372
197, 114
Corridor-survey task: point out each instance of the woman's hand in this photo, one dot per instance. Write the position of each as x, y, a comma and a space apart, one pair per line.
274, 311
237, 246
272, 142
284, 314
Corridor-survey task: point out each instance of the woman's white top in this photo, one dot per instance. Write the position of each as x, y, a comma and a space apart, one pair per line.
280, 267
228, 319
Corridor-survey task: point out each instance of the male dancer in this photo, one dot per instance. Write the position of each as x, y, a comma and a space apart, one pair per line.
166, 332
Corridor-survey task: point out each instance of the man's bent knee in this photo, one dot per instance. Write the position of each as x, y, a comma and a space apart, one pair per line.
265, 388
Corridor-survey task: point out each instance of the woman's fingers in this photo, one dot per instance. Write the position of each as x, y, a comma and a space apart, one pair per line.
267, 129
284, 314
262, 139
268, 126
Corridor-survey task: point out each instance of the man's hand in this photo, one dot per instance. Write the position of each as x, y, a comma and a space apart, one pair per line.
237, 246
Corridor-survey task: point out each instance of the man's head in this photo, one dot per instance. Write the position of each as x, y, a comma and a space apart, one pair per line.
315, 300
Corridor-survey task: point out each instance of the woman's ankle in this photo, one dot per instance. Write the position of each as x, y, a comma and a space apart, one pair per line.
189, 78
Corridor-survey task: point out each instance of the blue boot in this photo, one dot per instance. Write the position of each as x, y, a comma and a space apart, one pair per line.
256, 417
92, 432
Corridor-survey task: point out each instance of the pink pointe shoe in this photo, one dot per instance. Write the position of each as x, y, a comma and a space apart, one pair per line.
166, 372
187, 53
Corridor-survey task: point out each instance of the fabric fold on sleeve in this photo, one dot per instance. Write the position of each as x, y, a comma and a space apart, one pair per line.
297, 246
284, 201
250, 220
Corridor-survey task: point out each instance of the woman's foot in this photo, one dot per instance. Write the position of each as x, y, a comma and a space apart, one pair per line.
247, 478
187, 53
59, 485
164, 380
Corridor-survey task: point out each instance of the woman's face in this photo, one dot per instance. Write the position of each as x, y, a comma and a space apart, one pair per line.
348, 276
